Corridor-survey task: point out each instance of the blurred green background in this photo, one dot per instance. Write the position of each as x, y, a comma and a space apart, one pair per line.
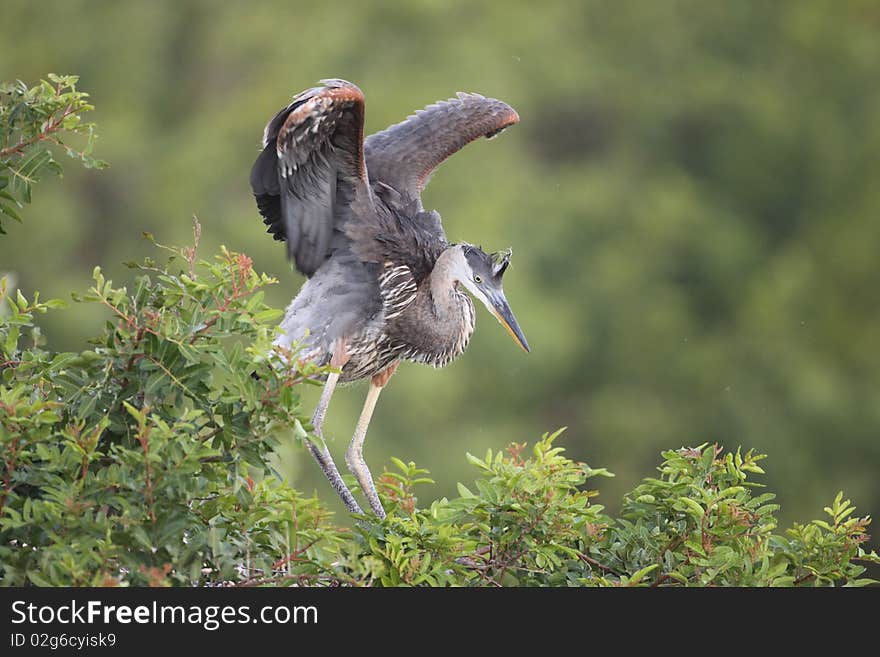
692, 199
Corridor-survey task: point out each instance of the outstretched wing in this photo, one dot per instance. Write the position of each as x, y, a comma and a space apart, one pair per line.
404, 155
311, 168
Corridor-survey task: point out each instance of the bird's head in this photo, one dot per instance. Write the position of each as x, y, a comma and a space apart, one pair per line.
481, 273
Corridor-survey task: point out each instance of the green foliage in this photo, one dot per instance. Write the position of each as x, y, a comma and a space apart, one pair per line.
531, 523
32, 118
699, 524
138, 451
690, 196
130, 464
133, 462
145, 459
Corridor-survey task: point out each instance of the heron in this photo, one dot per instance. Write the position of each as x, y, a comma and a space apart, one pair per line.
383, 283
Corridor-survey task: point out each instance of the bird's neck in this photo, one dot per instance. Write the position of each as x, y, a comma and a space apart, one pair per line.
445, 293
453, 308
439, 322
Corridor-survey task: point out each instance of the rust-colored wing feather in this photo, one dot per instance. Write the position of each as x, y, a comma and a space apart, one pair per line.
310, 169
404, 155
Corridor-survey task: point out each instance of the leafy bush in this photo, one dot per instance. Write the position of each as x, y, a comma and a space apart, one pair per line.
145, 459
32, 118
134, 463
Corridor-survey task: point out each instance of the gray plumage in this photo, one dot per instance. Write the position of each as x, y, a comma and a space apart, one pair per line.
351, 213
384, 284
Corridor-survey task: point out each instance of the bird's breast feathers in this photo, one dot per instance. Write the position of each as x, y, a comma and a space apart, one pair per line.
398, 289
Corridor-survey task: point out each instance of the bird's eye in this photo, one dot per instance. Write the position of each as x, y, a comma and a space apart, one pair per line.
478, 278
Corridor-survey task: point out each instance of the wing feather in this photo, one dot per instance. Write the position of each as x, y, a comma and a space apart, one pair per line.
405, 155
312, 164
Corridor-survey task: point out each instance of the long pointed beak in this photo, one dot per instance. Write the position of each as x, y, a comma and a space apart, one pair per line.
501, 309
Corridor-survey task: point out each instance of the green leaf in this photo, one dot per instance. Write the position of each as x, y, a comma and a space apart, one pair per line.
268, 316
9, 211
464, 491
689, 505
639, 575
154, 382
135, 413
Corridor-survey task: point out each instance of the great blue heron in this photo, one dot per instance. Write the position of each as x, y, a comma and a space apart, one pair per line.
384, 284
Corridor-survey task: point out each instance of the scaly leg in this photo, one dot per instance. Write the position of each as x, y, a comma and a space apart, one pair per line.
322, 454
354, 457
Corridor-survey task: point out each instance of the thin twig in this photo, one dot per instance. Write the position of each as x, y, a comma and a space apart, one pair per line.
587, 559
293, 556
804, 578
53, 126
665, 577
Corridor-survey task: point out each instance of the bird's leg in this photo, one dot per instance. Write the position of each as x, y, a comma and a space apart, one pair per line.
354, 457
322, 454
